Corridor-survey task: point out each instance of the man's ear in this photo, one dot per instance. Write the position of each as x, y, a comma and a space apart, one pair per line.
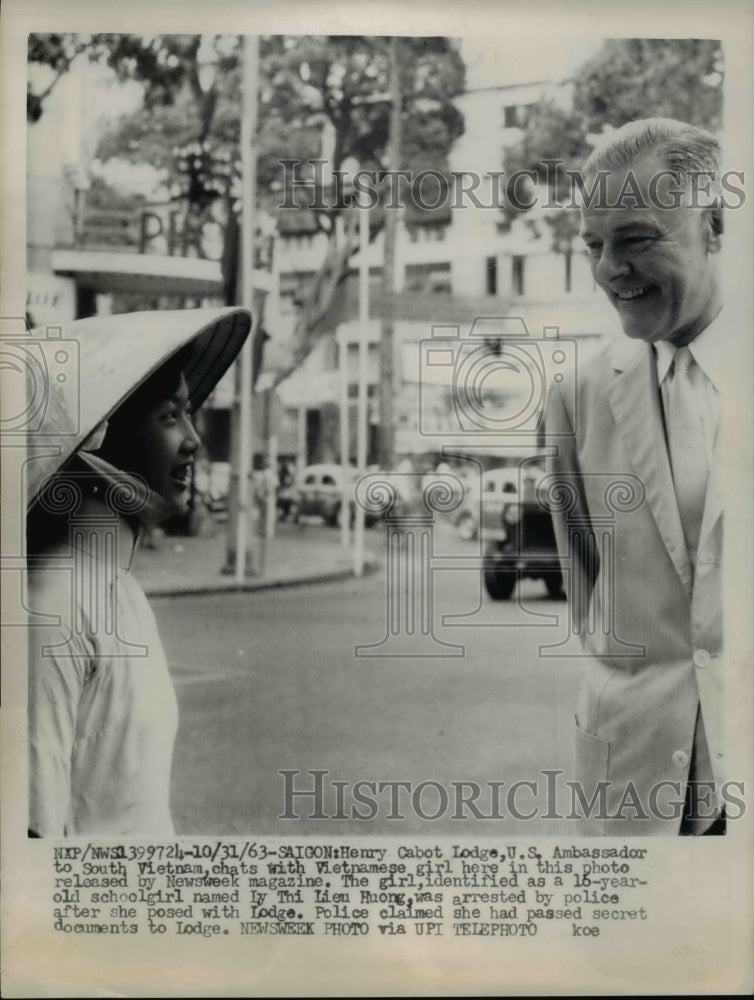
713, 221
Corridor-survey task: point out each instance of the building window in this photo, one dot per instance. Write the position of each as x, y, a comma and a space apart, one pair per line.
517, 275
428, 278
330, 353
491, 268
427, 234
514, 116
353, 390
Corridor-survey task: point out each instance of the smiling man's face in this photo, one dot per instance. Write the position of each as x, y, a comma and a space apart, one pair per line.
655, 264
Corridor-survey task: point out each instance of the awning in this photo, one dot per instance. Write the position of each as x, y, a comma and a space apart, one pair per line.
158, 274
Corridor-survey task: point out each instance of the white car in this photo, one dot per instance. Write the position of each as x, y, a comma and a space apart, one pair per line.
318, 492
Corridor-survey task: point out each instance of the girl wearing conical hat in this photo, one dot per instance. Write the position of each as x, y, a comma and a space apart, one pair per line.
112, 454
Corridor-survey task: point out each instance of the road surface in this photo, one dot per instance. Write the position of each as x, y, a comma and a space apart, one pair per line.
269, 681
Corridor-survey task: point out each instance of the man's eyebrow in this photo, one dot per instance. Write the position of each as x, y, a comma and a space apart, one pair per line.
638, 225
627, 227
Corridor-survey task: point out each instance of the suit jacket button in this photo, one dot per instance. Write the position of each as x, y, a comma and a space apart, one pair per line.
701, 658
680, 758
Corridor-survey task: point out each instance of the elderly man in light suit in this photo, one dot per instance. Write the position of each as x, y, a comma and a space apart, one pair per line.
643, 580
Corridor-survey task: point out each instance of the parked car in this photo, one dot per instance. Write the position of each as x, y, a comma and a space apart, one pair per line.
318, 492
519, 537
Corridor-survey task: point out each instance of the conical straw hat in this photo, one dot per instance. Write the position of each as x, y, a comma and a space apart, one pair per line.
79, 373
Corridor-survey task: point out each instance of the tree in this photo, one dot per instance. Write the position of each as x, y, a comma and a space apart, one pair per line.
56, 53
190, 117
641, 77
626, 79
347, 82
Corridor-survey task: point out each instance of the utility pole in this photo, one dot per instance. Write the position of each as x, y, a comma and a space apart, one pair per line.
345, 442
362, 418
241, 541
387, 339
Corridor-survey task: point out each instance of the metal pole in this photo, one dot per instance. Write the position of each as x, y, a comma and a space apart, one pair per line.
386, 386
301, 451
272, 483
344, 437
244, 537
361, 454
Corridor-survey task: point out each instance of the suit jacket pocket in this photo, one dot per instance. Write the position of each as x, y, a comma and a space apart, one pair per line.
589, 797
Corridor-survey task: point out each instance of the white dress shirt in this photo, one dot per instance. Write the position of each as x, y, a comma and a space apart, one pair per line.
102, 708
711, 356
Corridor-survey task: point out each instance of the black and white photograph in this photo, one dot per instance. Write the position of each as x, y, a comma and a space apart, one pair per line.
373, 404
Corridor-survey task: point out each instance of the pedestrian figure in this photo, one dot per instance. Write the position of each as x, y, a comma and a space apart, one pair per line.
102, 713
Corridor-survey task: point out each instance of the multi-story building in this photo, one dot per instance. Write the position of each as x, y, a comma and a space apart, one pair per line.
84, 258
458, 262
454, 263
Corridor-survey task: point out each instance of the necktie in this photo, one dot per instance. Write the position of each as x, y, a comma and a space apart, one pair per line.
688, 455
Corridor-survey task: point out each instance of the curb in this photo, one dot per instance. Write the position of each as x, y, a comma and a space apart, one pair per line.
248, 586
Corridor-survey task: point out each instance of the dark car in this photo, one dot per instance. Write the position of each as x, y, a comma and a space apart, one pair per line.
520, 540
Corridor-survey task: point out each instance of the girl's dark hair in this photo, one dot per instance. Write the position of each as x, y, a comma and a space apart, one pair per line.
48, 518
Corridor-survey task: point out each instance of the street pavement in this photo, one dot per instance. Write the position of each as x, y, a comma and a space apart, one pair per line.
270, 681
305, 553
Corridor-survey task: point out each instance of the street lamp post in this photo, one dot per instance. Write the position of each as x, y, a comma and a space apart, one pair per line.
361, 448
250, 47
345, 458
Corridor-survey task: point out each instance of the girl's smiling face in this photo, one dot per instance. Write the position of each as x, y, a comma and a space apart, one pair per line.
152, 435
165, 444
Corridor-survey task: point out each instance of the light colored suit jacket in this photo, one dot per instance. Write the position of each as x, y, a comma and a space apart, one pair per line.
650, 628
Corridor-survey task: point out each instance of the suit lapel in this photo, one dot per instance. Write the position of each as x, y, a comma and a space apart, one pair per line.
635, 400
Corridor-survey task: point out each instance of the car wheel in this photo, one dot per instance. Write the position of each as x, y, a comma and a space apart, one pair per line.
467, 529
554, 584
334, 518
499, 583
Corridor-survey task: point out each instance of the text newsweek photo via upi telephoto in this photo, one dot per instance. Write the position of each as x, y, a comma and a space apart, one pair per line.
374, 403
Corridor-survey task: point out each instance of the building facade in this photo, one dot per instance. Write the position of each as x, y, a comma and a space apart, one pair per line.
461, 262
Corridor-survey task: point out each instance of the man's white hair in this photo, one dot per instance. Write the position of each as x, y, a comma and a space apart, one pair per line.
685, 149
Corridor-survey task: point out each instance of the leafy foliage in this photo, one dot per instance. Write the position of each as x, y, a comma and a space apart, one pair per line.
642, 77
626, 79
314, 91
304, 81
